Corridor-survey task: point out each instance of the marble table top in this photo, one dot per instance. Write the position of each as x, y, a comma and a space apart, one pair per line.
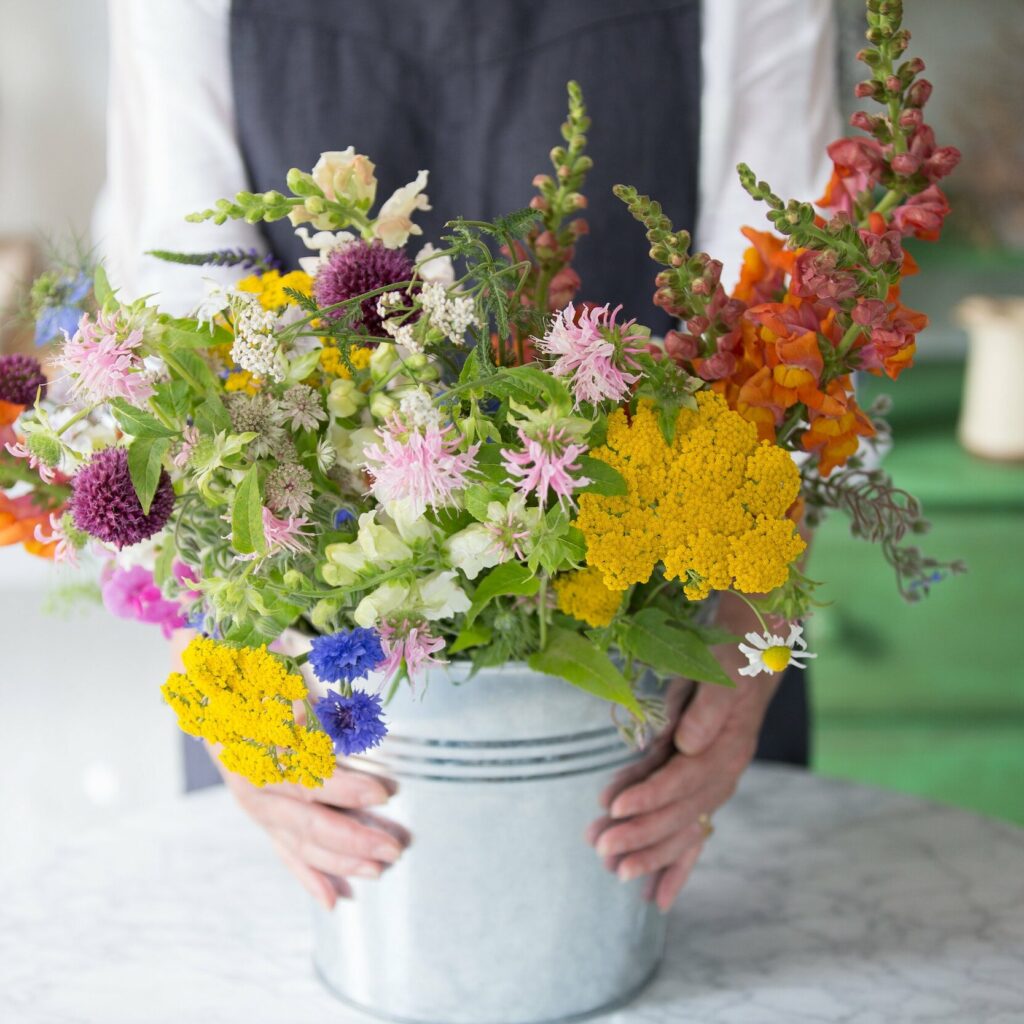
815, 901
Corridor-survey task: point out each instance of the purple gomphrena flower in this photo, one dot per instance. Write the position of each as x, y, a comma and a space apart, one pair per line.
356, 268
355, 723
346, 656
104, 503
21, 377
591, 349
424, 466
546, 463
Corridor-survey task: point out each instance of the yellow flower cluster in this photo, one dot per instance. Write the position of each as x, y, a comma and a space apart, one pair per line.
332, 365
242, 380
711, 507
242, 698
270, 287
584, 596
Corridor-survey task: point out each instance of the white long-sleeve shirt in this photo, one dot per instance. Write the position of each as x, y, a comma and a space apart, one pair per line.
768, 99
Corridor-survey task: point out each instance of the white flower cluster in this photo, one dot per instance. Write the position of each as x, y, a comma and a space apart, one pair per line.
417, 409
255, 347
452, 315
401, 332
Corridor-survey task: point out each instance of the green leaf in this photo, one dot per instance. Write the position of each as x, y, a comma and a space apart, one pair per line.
472, 636
191, 368
194, 337
145, 462
137, 422
164, 563
247, 516
172, 399
604, 479
526, 384
101, 286
470, 368
508, 578
302, 366
671, 651
212, 417
478, 497
489, 464
579, 661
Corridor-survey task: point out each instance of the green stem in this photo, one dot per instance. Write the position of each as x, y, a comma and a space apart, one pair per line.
750, 604
847, 340
542, 610
80, 415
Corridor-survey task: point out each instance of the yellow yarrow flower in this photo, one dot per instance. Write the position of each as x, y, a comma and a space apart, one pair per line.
242, 380
269, 287
584, 596
243, 699
331, 362
711, 507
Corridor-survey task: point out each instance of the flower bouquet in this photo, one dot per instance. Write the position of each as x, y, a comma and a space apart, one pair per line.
444, 457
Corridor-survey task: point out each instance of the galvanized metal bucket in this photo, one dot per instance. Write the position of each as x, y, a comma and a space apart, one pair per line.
499, 912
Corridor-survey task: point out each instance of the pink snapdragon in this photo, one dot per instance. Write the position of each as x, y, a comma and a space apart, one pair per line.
423, 466
413, 644
591, 349
103, 360
547, 462
132, 594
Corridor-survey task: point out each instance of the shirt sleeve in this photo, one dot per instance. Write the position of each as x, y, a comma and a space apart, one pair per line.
769, 100
172, 147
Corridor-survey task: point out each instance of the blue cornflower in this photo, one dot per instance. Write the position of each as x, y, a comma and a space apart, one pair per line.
346, 656
342, 517
63, 310
354, 723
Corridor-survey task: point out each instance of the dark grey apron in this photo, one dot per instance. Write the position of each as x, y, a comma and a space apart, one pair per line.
474, 91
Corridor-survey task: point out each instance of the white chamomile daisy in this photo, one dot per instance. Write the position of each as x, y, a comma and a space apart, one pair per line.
768, 652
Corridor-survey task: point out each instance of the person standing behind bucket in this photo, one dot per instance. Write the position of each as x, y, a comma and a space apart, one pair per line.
678, 93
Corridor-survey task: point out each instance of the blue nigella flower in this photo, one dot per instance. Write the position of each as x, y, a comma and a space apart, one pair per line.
346, 656
930, 580
342, 517
66, 312
354, 723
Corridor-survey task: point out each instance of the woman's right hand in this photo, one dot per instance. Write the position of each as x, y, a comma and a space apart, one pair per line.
326, 835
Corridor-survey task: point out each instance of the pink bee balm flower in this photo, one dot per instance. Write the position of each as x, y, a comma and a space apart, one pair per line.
423, 466
589, 347
415, 645
546, 463
103, 361
65, 549
20, 451
189, 440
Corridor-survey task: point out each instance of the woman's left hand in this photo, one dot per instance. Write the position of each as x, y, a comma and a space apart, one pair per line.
658, 810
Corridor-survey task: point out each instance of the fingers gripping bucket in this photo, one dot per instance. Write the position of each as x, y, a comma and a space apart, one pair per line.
499, 911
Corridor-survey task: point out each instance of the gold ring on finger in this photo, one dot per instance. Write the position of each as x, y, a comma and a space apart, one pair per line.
704, 820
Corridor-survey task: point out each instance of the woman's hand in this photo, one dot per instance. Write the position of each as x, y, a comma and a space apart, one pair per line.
657, 811
324, 835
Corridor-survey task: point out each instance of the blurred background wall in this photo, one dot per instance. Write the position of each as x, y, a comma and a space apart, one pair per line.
928, 698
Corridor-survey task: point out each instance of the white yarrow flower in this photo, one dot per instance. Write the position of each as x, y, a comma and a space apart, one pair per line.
255, 348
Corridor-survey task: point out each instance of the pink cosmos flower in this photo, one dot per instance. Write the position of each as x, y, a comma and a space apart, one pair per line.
65, 549
19, 450
415, 645
132, 594
189, 439
103, 361
546, 463
423, 466
588, 345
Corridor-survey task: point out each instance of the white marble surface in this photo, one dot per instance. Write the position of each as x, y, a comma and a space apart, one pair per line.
815, 901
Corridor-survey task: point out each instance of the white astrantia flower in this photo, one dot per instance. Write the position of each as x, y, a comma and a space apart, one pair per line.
472, 550
768, 652
394, 221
